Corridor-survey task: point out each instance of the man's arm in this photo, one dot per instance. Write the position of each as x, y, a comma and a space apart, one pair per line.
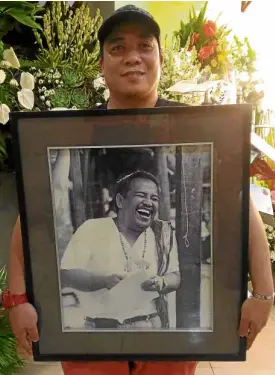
87, 281
259, 255
16, 277
255, 312
23, 318
171, 282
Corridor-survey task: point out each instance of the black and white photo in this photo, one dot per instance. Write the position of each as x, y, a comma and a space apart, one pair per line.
123, 266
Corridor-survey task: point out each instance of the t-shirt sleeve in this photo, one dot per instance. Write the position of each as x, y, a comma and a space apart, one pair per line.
79, 249
174, 258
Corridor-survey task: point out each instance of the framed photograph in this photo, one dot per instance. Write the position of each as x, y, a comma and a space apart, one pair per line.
135, 231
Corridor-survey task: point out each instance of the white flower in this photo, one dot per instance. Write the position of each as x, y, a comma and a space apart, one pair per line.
4, 114
44, 88
10, 56
177, 61
41, 82
26, 98
57, 81
42, 98
5, 64
13, 82
27, 81
48, 103
106, 94
2, 76
99, 82
272, 256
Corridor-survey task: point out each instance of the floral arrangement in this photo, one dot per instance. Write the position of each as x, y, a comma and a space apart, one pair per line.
270, 233
65, 72
16, 91
209, 40
181, 64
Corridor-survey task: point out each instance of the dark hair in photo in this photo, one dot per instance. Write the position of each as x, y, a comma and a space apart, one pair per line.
123, 183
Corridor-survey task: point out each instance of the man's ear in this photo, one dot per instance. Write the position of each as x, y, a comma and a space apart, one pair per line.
101, 63
161, 58
119, 200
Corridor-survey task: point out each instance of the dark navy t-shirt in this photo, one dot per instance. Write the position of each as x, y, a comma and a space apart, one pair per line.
160, 103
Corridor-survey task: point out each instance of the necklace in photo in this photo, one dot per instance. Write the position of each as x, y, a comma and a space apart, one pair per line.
141, 264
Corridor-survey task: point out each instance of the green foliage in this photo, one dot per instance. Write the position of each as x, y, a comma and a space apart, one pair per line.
194, 24
61, 98
79, 99
72, 78
243, 56
7, 95
9, 360
22, 12
69, 38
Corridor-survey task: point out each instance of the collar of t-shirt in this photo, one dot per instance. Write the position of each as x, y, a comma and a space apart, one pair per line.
160, 103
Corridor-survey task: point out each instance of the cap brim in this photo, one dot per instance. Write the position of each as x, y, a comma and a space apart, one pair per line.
130, 16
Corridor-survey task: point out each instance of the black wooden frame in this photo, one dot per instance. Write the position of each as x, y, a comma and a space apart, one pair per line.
217, 124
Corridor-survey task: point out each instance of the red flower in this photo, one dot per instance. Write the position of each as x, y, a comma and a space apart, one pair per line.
194, 38
205, 52
209, 29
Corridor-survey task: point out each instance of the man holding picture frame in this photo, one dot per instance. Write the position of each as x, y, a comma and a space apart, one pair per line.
131, 62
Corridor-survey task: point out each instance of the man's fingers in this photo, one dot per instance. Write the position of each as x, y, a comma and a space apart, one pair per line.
244, 327
25, 342
252, 335
33, 334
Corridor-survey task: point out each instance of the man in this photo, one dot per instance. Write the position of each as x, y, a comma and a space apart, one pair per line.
102, 252
131, 62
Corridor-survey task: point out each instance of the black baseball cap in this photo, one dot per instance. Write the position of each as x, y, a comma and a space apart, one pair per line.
128, 13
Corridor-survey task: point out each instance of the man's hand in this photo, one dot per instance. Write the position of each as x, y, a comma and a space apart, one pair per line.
23, 320
255, 314
113, 280
154, 284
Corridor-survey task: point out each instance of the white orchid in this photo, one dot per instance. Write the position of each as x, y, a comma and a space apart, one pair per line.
26, 98
2, 76
4, 114
10, 56
27, 81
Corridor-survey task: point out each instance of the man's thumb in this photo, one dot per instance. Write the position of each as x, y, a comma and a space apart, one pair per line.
33, 334
244, 327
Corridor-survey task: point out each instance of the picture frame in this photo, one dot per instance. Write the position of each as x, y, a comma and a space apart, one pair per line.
70, 166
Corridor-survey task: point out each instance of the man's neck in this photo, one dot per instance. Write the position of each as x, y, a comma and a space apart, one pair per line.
130, 234
132, 102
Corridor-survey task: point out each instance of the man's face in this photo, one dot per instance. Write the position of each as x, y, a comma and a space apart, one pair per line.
140, 205
131, 61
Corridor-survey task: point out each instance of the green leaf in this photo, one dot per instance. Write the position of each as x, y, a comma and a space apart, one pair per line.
17, 4
21, 17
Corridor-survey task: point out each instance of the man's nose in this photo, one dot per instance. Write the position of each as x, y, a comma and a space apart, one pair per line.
147, 202
132, 57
